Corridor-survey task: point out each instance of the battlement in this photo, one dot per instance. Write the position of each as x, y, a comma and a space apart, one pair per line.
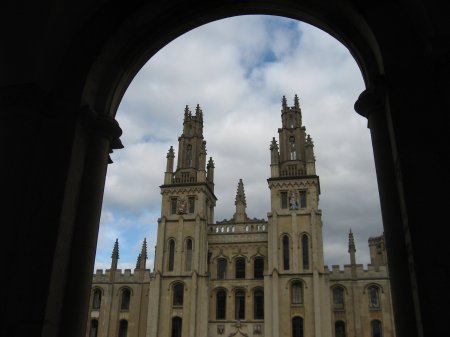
336, 273
127, 276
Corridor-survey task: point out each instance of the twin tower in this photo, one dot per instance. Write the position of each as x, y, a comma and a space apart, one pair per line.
240, 276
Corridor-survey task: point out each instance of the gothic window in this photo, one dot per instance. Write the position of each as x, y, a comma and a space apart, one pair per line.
305, 251
173, 205
284, 199
123, 328
176, 326
178, 292
339, 329
338, 298
297, 326
126, 297
258, 304
239, 305
189, 155
93, 328
374, 300
240, 267
221, 269
375, 326
171, 254
97, 299
296, 292
285, 252
221, 304
302, 195
258, 268
191, 205
292, 148
188, 255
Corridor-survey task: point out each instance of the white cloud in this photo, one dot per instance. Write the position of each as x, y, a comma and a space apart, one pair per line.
237, 70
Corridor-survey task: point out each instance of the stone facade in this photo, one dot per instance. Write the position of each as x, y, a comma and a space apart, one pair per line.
242, 276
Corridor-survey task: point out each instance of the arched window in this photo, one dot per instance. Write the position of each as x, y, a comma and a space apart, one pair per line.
305, 251
123, 328
239, 305
178, 292
240, 267
171, 254
296, 292
292, 148
374, 299
258, 304
188, 255
176, 326
285, 252
339, 329
297, 326
126, 297
93, 330
97, 299
189, 155
221, 304
338, 298
222, 269
376, 328
258, 268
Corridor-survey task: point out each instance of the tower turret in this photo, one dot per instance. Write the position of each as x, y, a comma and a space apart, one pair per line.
210, 173
241, 204
168, 176
292, 156
274, 159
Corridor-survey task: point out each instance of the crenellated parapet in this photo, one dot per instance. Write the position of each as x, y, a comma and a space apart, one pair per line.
336, 273
121, 276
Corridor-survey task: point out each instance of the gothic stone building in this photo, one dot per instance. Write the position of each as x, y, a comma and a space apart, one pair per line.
242, 276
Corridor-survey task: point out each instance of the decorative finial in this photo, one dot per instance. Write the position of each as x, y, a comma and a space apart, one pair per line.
273, 144
284, 102
296, 103
171, 153
144, 249
210, 163
351, 242
240, 194
115, 252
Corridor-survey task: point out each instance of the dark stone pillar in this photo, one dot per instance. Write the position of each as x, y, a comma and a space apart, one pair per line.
97, 136
372, 105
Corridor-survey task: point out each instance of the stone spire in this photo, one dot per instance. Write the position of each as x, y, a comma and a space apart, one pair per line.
142, 258
284, 102
115, 255
351, 248
240, 203
296, 103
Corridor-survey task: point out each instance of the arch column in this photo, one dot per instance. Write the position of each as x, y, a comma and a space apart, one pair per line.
372, 104
96, 137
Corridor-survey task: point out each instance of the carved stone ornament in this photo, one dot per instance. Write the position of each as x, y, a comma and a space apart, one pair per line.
293, 199
182, 205
221, 329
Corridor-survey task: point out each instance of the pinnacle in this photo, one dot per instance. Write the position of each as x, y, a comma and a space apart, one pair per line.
240, 194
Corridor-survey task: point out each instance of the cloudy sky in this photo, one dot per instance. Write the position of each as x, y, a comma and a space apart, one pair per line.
238, 69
